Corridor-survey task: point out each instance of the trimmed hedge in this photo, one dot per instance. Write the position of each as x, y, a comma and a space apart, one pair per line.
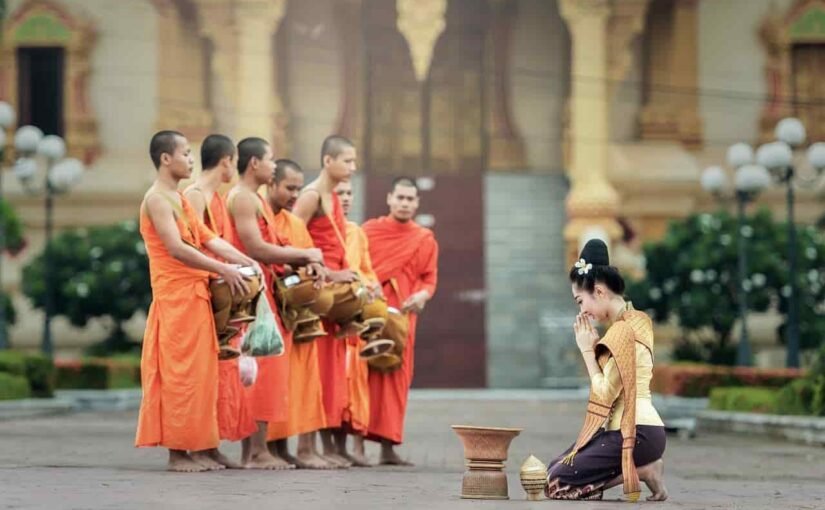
99, 373
697, 380
748, 400
37, 368
13, 387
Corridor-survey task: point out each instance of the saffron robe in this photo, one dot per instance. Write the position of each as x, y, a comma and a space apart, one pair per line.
332, 351
268, 397
357, 413
306, 403
405, 260
235, 421
179, 361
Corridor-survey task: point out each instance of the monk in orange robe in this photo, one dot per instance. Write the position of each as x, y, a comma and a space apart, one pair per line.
306, 404
318, 206
219, 167
179, 363
253, 232
357, 413
405, 258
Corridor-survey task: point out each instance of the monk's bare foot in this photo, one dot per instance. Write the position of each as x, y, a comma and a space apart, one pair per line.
205, 460
223, 460
337, 460
653, 475
390, 458
354, 459
265, 460
181, 462
309, 460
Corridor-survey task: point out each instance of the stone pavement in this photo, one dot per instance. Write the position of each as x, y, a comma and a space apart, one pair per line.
86, 461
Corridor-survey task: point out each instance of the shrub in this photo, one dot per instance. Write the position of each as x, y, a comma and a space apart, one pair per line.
99, 373
13, 387
99, 272
744, 399
697, 380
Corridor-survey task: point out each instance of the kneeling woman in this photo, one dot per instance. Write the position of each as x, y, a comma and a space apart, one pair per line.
622, 430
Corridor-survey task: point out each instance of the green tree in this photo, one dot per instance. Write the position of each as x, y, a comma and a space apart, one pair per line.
98, 272
692, 275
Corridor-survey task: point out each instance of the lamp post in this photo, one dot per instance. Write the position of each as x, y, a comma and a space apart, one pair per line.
7, 120
60, 175
750, 179
779, 159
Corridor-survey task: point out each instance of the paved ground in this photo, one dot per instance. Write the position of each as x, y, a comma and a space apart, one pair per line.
86, 461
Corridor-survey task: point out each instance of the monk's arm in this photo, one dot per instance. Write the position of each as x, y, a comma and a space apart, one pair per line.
229, 253
163, 219
197, 201
428, 279
306, 206
246, 223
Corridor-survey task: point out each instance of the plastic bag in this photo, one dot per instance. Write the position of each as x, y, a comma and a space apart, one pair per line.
264, 336
248, 369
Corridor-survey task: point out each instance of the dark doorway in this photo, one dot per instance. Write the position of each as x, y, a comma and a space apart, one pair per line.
40, 88
435, 128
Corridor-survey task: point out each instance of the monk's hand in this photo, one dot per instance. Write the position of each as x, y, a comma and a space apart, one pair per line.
375, 291
318, 273
235, 279
586, 336
314, 256
342, 276
416, 302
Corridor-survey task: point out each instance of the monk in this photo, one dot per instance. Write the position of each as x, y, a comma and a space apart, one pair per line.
254, 233
357, 414
219, 167
306, 404
179, 362
405, 259
318, 206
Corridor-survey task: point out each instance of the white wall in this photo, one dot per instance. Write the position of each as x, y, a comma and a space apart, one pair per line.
732, 68
539, 70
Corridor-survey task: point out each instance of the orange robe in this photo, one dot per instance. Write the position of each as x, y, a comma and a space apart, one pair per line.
179, 362
306, 403
405, 259
235, 421
268, 397
332, 351
357, 413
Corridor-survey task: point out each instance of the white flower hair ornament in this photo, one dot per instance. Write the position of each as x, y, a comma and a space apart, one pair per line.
583, 266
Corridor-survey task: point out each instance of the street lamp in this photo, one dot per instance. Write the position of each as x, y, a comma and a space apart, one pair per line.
750, 179
7, 120
778, 158
61, 174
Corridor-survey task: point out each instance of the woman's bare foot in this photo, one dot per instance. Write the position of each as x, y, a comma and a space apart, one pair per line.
265, 460
653, 475
310, 460
223, 460
205, 459
181, 462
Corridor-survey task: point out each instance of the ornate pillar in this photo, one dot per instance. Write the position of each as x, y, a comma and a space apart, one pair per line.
507, 150
592, 202
671, 76
243, 66
182, 102
349, 24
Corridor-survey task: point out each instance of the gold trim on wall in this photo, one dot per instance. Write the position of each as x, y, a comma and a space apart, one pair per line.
43, 23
